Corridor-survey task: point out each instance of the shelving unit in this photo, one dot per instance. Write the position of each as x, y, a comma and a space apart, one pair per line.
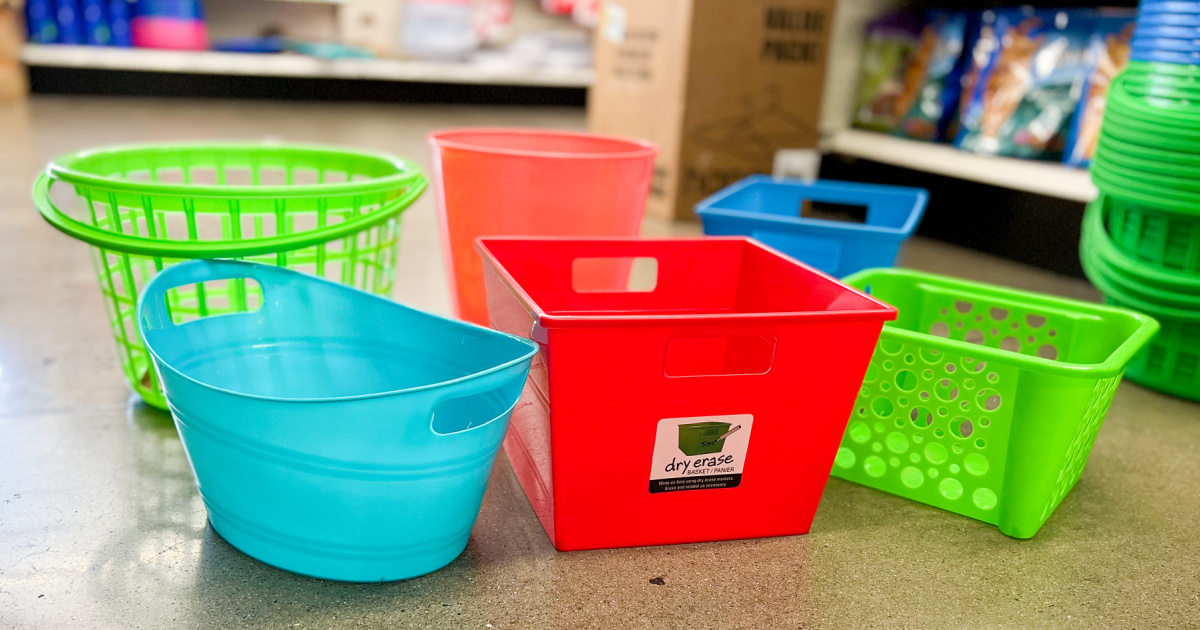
1043, 178
298, 66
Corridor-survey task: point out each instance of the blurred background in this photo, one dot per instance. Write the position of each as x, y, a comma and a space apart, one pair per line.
869, 90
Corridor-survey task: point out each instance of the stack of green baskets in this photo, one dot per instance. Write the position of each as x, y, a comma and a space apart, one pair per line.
1141, 237
331, 212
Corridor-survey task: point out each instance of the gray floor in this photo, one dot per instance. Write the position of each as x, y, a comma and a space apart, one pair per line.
101, 527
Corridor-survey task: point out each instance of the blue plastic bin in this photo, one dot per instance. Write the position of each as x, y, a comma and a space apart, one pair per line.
1168, 6
333, 433
768, 210
1168, 19
1166, 43
1164, 56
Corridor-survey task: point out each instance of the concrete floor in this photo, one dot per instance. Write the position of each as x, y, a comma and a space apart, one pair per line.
101, 526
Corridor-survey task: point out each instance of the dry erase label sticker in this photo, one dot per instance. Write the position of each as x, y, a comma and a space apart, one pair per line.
701, 453
613, 18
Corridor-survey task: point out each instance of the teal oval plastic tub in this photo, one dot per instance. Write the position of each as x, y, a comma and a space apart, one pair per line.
769, 210
983, 400
333, 433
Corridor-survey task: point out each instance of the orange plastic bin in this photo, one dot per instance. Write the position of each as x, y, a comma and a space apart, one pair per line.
522, 182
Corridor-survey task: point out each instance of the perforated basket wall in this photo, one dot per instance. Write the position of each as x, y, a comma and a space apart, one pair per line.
329, 212
1171, 361
1166, 239
955, 412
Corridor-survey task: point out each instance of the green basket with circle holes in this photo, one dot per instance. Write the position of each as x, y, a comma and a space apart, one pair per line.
1170, 363
328, 211
984, 400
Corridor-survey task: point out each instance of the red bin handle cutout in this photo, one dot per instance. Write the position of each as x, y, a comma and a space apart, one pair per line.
719, 356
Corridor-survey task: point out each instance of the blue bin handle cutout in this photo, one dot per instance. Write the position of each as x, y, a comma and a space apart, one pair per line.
475, 388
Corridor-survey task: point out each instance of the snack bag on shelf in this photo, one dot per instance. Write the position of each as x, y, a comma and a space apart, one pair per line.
1021, 100
932, 77
883, 96
1108, 54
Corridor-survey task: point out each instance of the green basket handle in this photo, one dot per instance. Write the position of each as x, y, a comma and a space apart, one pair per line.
498, 378
214, 249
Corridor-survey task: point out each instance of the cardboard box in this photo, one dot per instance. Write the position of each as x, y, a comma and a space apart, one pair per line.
718, 85
13, 85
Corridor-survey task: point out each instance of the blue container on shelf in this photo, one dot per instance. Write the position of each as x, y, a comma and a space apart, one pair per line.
1165, 43
1164, 56
119, 12
96, 31
769, 210
1174, 32
40, 22
1167, 19
68, 19
1168, 6
332, 433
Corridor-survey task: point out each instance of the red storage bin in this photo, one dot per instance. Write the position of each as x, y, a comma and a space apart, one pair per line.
746, 358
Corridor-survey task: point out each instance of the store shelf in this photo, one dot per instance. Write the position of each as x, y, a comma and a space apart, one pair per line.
1043, 178
298, 66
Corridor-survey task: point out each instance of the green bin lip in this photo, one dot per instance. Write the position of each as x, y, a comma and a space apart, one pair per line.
1161, 198
411, 177
1101, 275
1118, 284
61, 168
1155, 282
1112, 366
1160, 68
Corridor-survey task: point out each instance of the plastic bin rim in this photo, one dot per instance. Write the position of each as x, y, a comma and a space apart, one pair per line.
883, 312
1100, 241
1099, 273
637, 148
60, 168
1093, 246
709, 206
1112, 365
147, 246
530, 348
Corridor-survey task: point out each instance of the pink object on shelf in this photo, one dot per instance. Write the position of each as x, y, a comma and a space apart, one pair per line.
169, 33
558, 7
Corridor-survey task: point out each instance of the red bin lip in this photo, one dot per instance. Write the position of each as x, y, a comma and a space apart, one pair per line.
625, 148
880, 312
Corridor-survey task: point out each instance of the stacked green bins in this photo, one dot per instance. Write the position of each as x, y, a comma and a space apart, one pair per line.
330, 212
982, 400
1141, 243
1171, 362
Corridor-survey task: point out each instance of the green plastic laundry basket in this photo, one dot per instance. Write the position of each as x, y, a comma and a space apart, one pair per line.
1170, 363
331, 212
702, 438
983, 400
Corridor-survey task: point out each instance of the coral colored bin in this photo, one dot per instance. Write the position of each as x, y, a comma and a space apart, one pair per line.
521, 182
731, 333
